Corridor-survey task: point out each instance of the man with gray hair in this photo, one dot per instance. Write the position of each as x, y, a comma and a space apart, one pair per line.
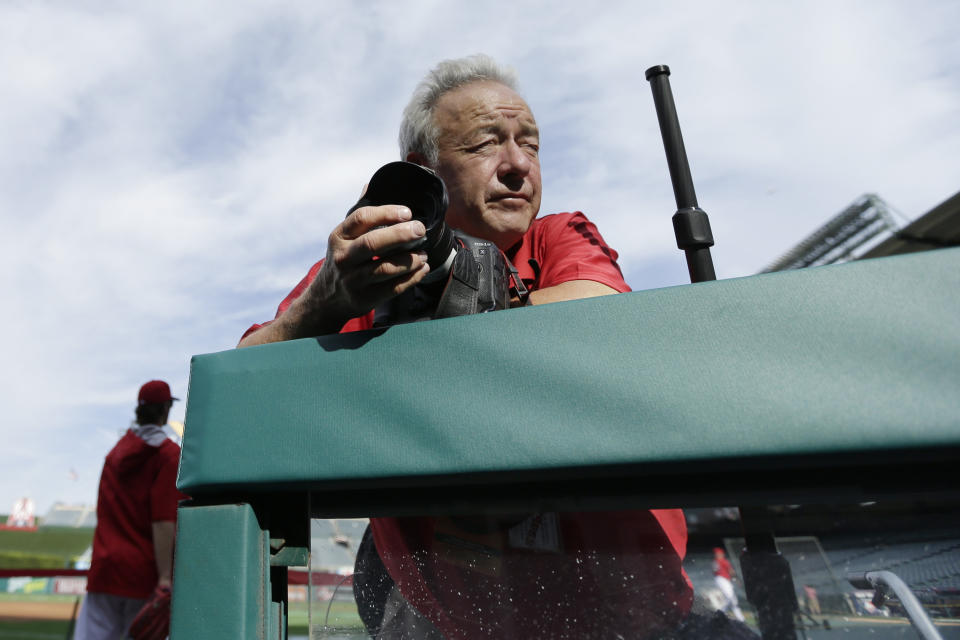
470, 126
546, 575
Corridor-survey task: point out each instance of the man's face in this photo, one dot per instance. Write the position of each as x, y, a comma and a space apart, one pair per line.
489, 159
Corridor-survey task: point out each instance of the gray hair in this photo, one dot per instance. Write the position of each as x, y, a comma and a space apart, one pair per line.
418, 131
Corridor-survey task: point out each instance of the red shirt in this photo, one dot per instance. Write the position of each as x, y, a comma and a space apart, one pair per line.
137, 488
722, 567
565, 246
620, 570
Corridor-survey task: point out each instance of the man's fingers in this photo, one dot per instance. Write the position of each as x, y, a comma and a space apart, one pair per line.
367, 279
364, 219
375, 284
397, 265
372, 256
387, 240
382, 241
389, 288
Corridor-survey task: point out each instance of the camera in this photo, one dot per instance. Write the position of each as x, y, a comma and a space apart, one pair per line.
467, 275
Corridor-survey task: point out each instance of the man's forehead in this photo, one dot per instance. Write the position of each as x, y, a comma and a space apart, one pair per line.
482, 103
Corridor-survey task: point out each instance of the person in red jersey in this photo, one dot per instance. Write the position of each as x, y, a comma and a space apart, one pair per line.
136, 518
545, 575
723, 578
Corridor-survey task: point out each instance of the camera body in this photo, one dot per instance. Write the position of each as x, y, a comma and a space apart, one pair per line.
467, 275
478, 281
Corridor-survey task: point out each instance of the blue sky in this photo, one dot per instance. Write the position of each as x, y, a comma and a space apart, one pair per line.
168, 171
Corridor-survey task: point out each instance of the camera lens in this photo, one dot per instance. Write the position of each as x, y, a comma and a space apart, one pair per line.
424, 193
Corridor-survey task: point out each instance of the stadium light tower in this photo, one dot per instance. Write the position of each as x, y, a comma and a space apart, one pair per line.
845, 237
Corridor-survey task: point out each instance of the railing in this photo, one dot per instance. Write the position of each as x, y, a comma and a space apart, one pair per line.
828, 385
30, 608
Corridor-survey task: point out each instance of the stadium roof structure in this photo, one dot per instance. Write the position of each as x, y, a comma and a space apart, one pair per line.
69, 515
868, 229
938, 228
844, 237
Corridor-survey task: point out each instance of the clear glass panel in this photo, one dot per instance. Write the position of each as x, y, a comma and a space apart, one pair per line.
321, 597
620, 574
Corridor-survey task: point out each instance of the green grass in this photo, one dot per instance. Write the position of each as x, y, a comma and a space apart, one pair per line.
22, 560
33, 629
343, 615
48, 547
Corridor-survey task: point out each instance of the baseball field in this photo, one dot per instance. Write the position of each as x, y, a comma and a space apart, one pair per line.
28, 609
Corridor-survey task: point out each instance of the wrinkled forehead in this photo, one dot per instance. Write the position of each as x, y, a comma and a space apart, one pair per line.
479, 104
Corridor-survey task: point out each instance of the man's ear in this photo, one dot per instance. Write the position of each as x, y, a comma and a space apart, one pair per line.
418, 158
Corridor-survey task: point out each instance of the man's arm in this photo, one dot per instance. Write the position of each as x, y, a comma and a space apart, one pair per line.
163, 535
568, 259
353, 279
571, 290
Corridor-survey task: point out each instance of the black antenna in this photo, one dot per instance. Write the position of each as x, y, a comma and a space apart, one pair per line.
690, 222
766, 573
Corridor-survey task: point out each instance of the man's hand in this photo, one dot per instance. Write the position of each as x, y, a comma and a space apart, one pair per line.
354, 278
366, 265
153, 620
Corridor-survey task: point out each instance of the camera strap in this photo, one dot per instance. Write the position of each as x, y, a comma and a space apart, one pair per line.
480, 279
461, 296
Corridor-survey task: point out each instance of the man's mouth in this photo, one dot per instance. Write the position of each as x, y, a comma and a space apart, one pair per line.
510, 196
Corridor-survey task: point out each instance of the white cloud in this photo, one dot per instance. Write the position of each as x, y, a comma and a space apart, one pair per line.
166, 177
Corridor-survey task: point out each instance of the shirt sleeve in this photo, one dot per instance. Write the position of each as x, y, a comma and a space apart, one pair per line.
571, 248
566, 246
293, 295
355, 324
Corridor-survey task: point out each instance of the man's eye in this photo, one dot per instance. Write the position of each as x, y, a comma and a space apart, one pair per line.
480, 146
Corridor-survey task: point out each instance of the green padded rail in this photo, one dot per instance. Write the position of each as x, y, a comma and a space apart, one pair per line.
222, 589
861, 357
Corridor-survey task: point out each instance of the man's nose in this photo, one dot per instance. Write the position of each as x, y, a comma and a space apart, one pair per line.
514, 161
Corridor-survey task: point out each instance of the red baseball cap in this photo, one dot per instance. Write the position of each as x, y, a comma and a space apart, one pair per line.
155, 392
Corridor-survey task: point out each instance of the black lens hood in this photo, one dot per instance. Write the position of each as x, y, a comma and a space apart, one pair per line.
423, 192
